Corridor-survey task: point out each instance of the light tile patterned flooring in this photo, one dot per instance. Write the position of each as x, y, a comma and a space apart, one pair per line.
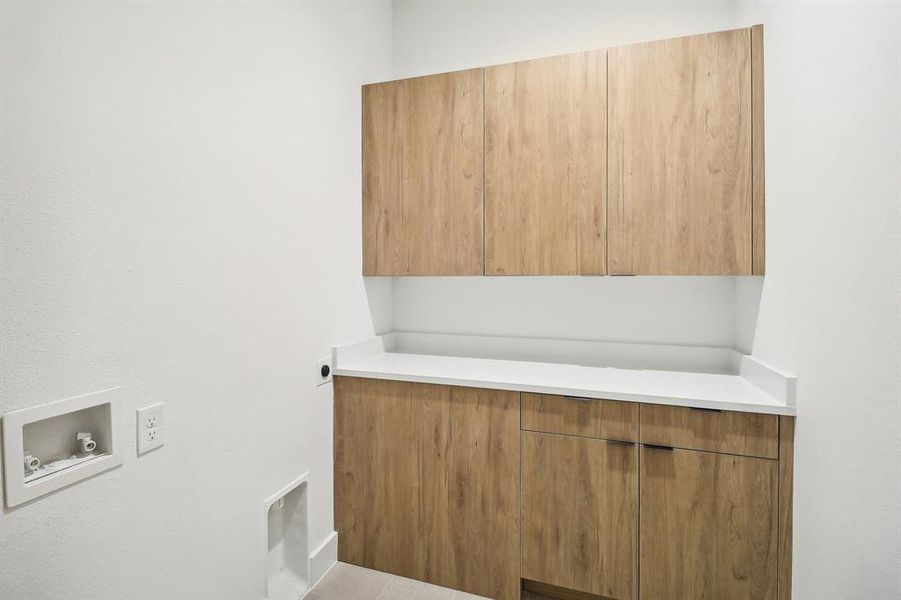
349, 582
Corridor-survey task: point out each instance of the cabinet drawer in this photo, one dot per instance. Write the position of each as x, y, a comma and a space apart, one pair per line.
746, 434
608, 419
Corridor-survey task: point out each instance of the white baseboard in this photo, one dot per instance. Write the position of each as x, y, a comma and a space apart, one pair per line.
323, 558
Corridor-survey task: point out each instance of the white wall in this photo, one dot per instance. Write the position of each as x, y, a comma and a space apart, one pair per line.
666, 310
443, 35
828, 308
180, 216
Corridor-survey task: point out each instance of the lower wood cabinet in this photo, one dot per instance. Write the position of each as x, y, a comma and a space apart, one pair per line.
427, 483
580, 514
708, 525
440, 484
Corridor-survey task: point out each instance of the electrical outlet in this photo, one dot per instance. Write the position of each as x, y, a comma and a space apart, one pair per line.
150, 428
323, 372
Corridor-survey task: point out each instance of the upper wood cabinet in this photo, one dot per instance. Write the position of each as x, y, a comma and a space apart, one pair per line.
545, 151
680, 156
638, 160
423, 175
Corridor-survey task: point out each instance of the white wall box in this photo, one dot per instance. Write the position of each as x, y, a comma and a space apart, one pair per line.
287, 554
54, 438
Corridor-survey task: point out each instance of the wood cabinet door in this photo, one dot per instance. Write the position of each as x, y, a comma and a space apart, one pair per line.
427, 483
679, 156
545, 155
470, 466
580, 514
423, 166
377, 480
708, 526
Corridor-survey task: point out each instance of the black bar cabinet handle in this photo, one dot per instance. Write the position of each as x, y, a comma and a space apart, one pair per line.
620, 443
658, 447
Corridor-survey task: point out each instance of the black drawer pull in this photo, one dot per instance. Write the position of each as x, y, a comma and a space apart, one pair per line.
658, 447
710, 410
620, 443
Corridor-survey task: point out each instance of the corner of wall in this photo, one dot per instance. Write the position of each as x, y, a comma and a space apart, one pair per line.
747, 292
380, 296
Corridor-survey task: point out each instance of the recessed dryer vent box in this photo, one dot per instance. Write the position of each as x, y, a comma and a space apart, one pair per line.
48, 447
287, 554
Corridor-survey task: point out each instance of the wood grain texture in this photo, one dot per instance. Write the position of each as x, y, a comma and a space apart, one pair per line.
545, 154
383, 244
679, 156
580, 514
427, 483
758, 164
608, 419
708, 526
543, 591
786, 499
377, 481
747, 434
423, 171
470, 470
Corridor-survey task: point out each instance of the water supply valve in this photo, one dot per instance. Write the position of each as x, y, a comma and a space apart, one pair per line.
87, 444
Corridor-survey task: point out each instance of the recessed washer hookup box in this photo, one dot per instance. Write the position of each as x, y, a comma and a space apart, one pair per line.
51, 446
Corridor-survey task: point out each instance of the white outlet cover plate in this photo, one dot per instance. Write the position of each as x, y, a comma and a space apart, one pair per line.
320, 380
150, 426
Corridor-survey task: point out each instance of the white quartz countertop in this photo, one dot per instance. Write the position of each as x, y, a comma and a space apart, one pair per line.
698, 390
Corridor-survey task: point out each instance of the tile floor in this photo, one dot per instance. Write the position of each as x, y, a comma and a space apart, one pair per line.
349, 582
